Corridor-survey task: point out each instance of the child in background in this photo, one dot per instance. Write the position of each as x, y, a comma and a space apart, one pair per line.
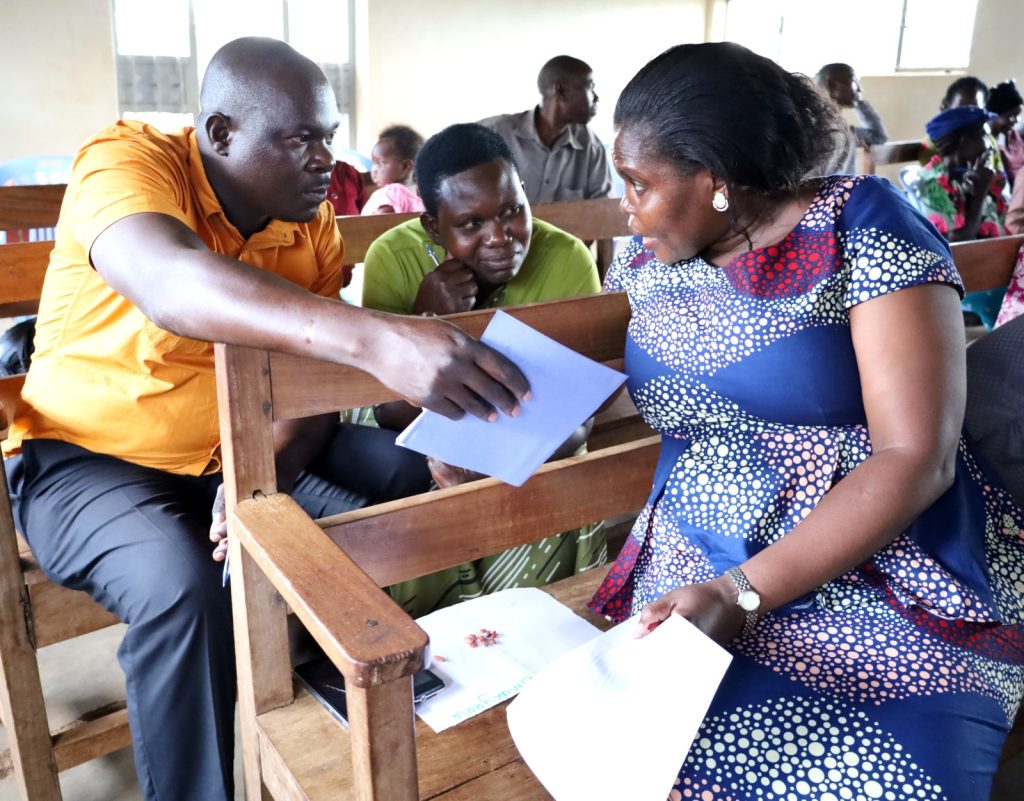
393, 158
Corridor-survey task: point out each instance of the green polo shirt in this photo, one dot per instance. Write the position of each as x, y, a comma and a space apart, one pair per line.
558, 265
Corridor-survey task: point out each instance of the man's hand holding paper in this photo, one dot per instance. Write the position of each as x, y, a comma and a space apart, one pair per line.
566, 389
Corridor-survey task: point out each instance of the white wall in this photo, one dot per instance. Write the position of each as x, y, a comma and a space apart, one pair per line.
481, 58
484, 57
907, 102
57, 65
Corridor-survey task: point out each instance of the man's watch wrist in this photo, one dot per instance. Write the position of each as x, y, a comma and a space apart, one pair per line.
747, 599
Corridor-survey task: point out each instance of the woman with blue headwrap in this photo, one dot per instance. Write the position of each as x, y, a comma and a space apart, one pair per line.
962, 195
961, 192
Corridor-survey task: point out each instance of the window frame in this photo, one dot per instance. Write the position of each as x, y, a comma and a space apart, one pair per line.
156, 84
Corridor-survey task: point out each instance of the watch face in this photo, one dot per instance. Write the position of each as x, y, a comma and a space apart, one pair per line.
749, 600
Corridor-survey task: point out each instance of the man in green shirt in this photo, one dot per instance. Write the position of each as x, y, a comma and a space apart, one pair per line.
477, 246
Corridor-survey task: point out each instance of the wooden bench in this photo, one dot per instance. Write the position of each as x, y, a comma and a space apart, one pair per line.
600, 220
330, 573
35, 613
905, 151
278, 553
24, 208
984, 264
987, 263
23, 265
53, 614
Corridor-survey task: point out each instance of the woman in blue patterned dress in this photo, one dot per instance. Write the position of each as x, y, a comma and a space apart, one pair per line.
798, 342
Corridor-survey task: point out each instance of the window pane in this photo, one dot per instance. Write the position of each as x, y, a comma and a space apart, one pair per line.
869, 42
342, 147
319, 29
145, 28
220, 21
938, 34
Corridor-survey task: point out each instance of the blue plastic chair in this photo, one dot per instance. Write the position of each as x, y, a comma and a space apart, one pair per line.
909, 178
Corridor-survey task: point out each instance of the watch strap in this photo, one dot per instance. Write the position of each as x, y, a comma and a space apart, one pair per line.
739, 578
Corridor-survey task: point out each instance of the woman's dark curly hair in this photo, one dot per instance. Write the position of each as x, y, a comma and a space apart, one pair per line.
721, 107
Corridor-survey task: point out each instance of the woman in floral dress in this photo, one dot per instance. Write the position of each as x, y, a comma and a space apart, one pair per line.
797, 341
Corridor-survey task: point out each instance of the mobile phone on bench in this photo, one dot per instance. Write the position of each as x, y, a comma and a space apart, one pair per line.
326, 684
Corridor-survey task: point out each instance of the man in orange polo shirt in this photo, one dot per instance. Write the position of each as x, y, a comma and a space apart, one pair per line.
166, 243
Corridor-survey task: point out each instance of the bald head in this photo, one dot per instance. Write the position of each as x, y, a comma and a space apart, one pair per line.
253, 73
265, 132
560, 70
829, 72
840, 81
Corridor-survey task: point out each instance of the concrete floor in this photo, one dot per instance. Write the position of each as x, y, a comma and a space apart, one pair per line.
80, 675
83, 674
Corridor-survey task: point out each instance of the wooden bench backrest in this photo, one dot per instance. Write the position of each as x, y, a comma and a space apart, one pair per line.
587, 219
22, 267
987, 263
898, 152
39, 206
21, 270
983, 263
335, 591
30, 206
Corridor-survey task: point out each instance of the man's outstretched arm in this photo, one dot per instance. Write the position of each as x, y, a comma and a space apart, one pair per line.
162, 266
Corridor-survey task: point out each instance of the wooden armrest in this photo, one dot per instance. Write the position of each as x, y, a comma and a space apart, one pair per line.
364, 632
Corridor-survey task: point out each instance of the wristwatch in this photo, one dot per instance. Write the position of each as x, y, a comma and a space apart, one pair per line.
747, 599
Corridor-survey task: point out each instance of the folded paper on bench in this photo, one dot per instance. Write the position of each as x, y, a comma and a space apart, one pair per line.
640, 702
532, 629
566, 388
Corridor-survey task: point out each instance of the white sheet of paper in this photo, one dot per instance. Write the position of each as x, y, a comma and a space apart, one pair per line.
533, 629
566, 389
654, 692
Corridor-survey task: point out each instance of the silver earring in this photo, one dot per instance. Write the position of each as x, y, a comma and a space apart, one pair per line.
719, 202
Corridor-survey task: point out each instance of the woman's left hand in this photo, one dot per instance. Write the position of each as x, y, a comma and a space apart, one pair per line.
711, 606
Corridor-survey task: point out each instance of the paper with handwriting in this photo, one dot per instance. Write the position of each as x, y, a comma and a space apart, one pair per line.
531, 629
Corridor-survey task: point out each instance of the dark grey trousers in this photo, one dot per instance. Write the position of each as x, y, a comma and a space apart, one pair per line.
137, 540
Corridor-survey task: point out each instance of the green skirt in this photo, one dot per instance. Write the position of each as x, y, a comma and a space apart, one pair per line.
532, 565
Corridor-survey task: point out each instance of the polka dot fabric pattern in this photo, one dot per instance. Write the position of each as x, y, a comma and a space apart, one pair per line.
749, 373
798, 749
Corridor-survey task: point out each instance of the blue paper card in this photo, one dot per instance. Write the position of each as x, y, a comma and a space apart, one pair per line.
566, 387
